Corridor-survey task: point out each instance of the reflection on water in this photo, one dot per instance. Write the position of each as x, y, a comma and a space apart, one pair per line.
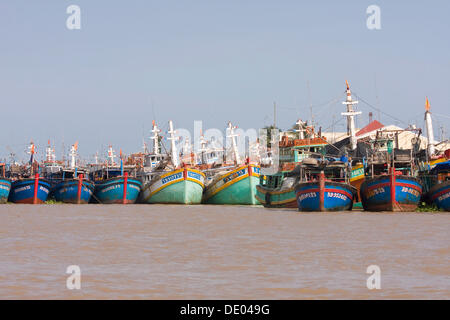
229, 252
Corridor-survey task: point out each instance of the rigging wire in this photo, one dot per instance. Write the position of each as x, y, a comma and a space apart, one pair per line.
379, 110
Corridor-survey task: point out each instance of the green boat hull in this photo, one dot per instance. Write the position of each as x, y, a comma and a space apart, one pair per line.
241, 192
276, 198
181, 186
183, 192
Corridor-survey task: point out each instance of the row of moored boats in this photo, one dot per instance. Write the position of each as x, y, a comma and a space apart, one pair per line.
300, 170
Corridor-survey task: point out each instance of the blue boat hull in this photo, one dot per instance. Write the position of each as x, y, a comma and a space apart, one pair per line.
22, 191
440, 195
111, 191
67, 191
377, 193
335, 196
5, 188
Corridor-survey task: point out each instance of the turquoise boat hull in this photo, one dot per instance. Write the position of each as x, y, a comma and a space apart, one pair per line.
235, 187
111, 191
67, 191
270, 198
182, 186
5, 188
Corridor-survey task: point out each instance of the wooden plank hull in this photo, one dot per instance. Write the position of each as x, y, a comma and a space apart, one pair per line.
111, 191
235, 187
5, 188
276, 198
333, 196
22, 191
391, 193
440, 195
67, 191
182, 186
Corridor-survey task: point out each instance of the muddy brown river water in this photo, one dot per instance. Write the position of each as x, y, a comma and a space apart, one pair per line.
220, 252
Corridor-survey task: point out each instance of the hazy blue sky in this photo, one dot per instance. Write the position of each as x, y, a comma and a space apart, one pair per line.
213, 61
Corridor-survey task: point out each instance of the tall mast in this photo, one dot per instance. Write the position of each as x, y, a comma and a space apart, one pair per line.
111, 156
155, 137
202, 148
429, 124
234, 147
300, 129
274, 114
351, 130
73, 154
310, 103
31, 152
172, 139
50, 153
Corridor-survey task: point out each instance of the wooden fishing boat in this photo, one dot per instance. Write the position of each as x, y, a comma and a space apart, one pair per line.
177, 183
394, 192
30, 190
29, 187
69, 184
180, 186
114, 184
232, 182
117, 190
236, 186
74, 190
5, 185
356, 179
324, 190
390, 184
439, 194
5, 188
278, 190
435, 172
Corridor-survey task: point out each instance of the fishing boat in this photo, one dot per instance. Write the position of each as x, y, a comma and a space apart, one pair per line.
177, 184
390, 184
439, 194
235, 184
303, 146
435, 172
74, 190
325, 187
150, 162
114, 184
277, 190
5, 185
181, 186
72, 184
30, 187
30, 190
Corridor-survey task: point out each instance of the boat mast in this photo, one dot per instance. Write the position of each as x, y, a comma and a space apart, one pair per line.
429, 124
31, 152
155, 137
234, 147
73, 154
50, 156
300, 129
203, 148
172, 138
111, 156
351, 131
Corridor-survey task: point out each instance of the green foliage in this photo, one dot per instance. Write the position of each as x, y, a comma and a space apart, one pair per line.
423, 207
